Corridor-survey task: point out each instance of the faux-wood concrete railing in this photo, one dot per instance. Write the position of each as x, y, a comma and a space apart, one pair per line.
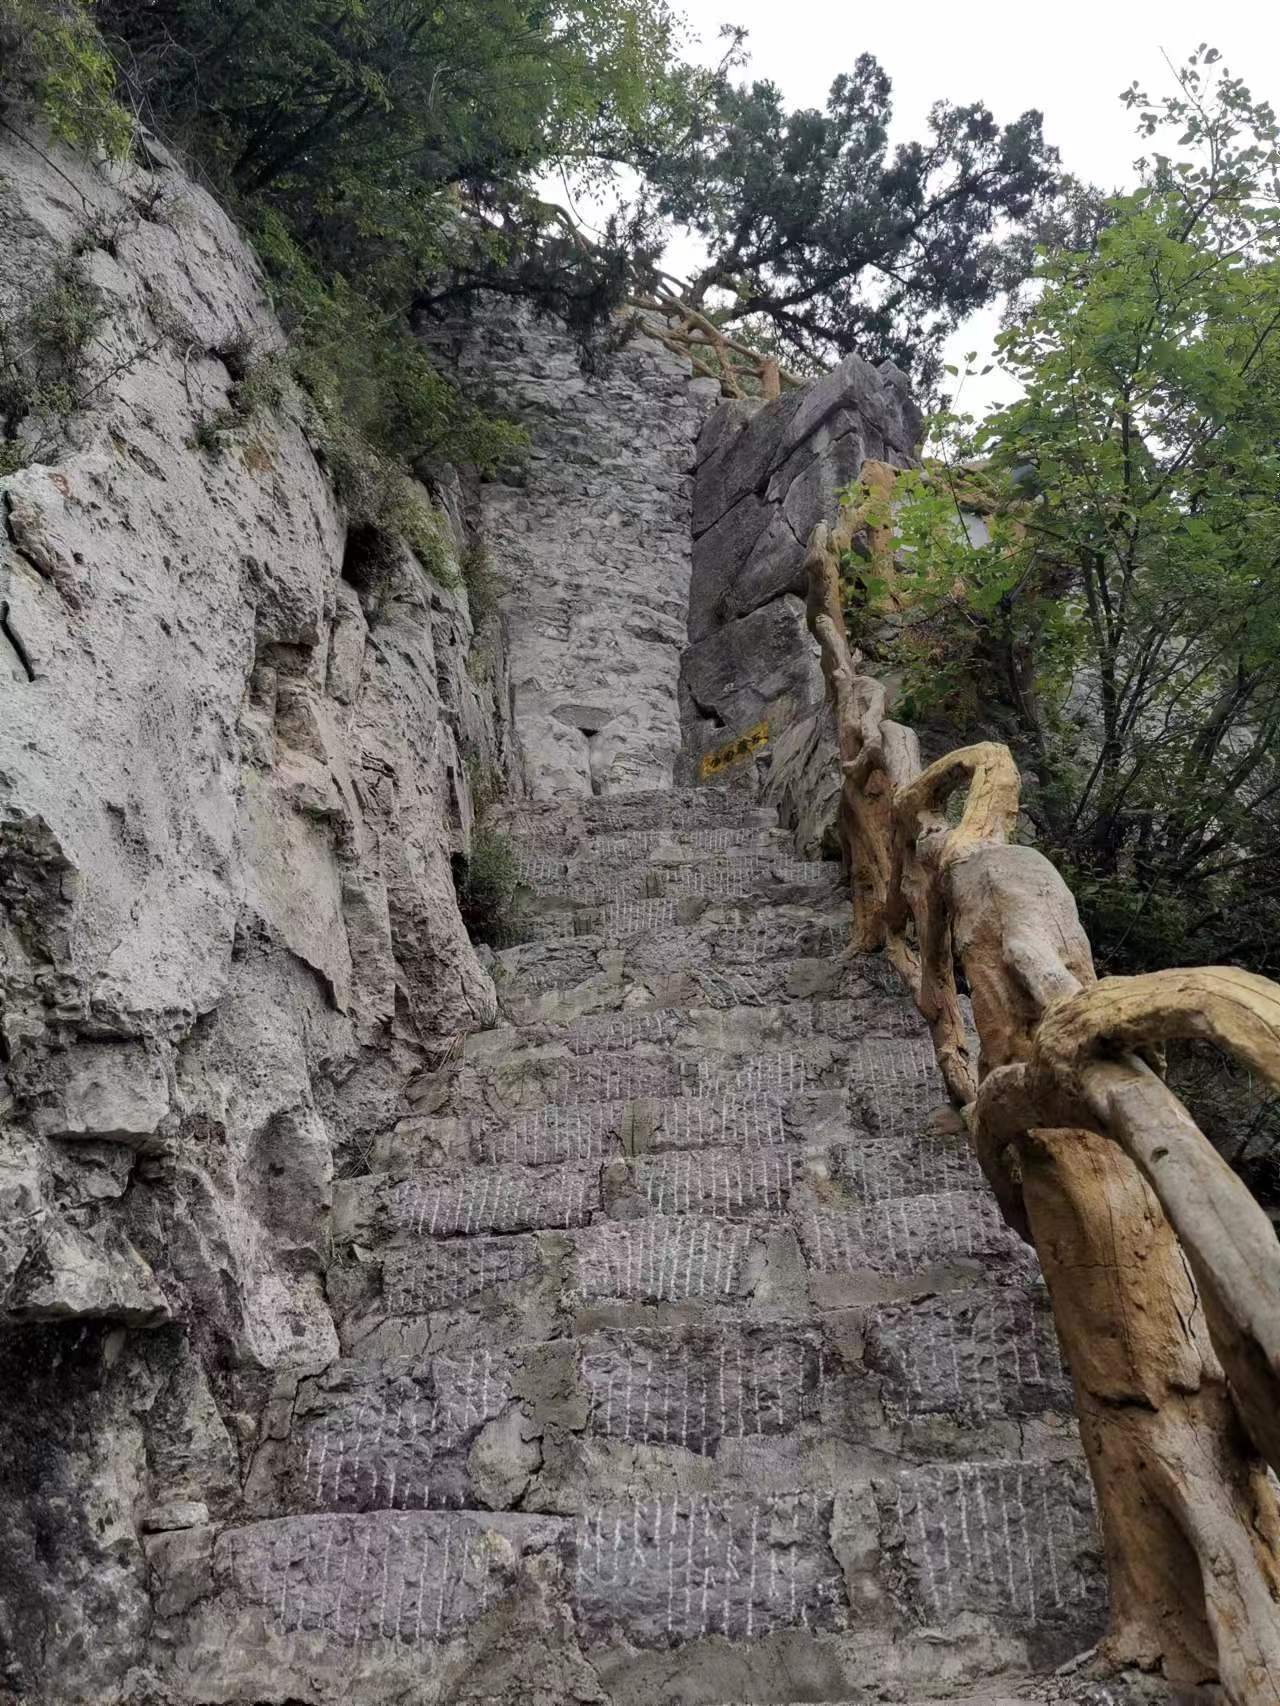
712, 353
1163, 1271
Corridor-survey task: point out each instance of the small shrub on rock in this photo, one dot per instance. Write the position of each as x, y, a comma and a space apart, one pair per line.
487, 880
52, 57
45, 364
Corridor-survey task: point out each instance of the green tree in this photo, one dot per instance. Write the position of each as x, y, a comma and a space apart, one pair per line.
1125, 610
382, 154
51, 54
399, 139
824, 240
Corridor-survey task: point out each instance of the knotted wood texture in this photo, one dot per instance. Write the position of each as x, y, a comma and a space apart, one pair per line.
1163, 1271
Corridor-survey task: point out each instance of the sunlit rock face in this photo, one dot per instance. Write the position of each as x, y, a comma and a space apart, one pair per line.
232, 780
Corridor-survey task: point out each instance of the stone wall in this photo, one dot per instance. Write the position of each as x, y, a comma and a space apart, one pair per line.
232, 778
766, 474
592, 539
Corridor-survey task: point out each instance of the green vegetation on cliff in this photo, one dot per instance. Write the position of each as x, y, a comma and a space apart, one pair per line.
1123, 621
51, 53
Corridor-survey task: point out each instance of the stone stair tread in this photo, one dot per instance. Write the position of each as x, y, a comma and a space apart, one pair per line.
658, 848
968, 1375
1028, 1691
558, 1133
735, 927
678, 1298
849, 1020
635, 845
537, 1077
584, 886
883, 1086
460, 1197
976, 1550
406, 1291
698, 808
726, 957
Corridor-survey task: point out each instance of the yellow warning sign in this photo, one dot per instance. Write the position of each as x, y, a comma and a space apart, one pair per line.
734, 751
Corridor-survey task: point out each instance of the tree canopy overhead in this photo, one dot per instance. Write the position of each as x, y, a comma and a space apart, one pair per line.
372, 125
825, 239
402, 142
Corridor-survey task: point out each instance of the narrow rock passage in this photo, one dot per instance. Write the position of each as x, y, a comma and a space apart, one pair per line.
686, 1357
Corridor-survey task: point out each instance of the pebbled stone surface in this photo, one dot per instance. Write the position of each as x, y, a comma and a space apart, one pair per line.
594, 540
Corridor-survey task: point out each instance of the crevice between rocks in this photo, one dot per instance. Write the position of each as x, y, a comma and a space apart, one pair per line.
19, 650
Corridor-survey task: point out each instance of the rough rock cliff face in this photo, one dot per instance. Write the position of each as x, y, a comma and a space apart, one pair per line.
231, 782
765, 475
594, 539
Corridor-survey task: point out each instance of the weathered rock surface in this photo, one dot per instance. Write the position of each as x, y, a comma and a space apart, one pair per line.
765, 476
595, 545
231, 783
659, 1341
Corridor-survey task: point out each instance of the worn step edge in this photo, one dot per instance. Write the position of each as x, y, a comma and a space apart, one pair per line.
549, 1424
945, 1551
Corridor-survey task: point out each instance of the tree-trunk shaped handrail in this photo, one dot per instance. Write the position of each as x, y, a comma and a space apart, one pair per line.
693, 335
1163, 1271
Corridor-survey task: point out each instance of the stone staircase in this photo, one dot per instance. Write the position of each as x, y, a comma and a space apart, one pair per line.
686, 1357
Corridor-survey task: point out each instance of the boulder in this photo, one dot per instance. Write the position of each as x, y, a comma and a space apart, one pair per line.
118, 1092
879, 397
741, 669
744, 461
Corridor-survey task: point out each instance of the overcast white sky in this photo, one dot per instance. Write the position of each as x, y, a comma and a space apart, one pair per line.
1071, 61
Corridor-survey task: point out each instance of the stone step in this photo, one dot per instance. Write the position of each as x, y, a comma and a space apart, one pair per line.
864, 1018
586, 1131
403, 1290
1075, 1683
1011, 1542
710, 956
881, 1086
544, 871
555, 1133
557, 1426
588, 889
494, 1086
457, 1197
960, 1567
660, 906
630, 846
552, 824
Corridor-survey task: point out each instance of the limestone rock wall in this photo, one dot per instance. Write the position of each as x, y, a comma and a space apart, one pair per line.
593, 542
232, 777
765, 475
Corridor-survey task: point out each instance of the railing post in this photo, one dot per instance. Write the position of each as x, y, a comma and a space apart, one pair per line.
1161, 1269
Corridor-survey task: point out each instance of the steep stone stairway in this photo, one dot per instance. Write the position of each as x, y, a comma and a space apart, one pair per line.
686, 1357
